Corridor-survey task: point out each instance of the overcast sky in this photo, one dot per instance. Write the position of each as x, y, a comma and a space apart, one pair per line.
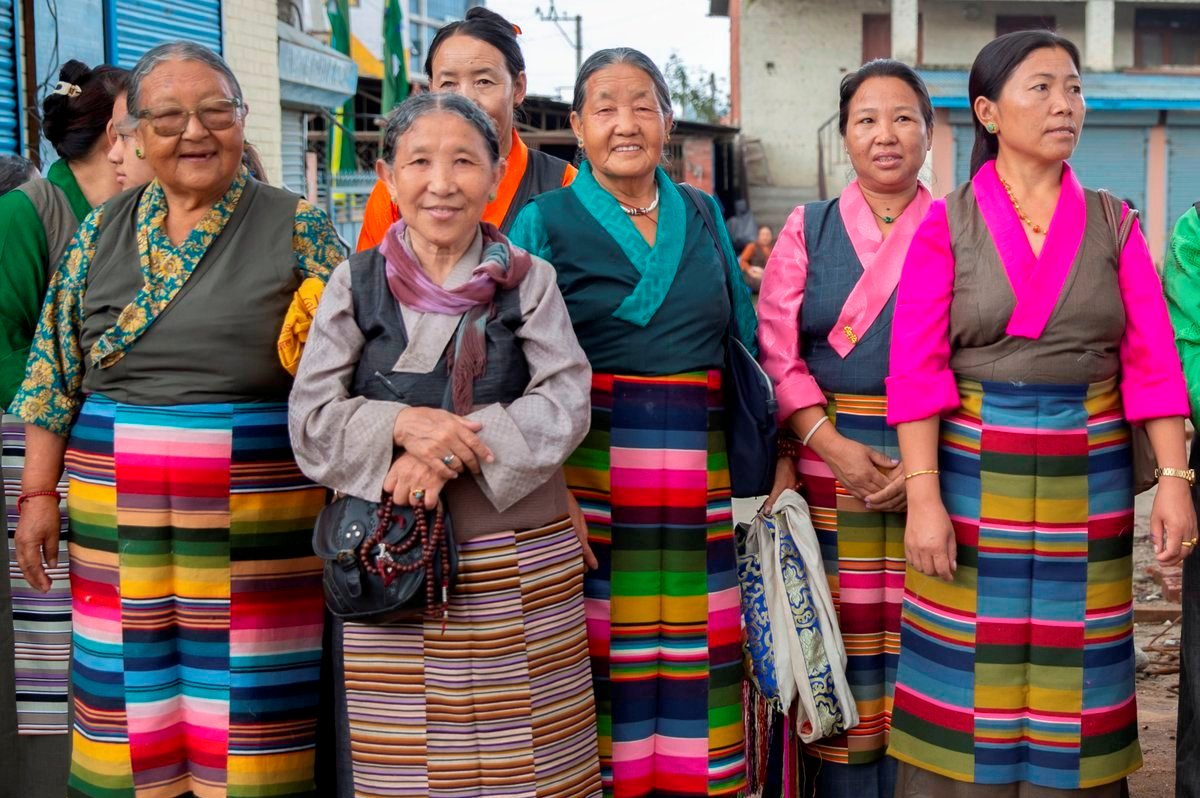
656, 27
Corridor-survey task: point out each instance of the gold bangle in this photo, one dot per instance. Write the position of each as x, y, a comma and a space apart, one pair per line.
907, 477
1178, 473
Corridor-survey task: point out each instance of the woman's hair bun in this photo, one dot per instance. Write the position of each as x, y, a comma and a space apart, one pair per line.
73, 121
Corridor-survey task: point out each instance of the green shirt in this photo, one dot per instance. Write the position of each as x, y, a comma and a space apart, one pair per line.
24, 272
1181, 283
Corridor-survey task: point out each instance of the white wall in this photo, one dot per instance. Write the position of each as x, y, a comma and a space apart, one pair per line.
251, 46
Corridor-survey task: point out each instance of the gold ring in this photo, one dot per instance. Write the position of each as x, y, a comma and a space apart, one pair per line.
419, 494
1189, 543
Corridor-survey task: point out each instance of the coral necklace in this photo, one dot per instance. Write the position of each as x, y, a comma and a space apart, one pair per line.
1034, 226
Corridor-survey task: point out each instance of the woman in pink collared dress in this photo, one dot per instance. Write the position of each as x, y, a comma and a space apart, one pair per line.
825, 318
1026, 339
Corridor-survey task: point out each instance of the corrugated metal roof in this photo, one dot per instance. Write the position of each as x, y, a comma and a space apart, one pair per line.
1111, 91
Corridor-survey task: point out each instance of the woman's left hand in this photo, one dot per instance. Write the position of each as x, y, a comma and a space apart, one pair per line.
410, 474
1173, 521
893, 498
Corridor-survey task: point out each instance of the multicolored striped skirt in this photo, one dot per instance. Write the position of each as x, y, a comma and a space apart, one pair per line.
663, 617
197, 603
1022, 668
495, 703
35, 650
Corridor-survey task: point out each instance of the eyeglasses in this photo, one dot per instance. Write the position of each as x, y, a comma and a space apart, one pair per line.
214, 115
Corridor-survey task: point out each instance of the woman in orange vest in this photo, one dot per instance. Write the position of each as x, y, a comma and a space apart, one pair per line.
479, 57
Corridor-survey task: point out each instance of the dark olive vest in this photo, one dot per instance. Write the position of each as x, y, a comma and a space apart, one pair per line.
1081, 341
833, 271
216, 341
542, 173
58, 219
385, 339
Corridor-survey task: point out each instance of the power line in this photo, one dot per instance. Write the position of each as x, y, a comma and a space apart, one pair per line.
552, 14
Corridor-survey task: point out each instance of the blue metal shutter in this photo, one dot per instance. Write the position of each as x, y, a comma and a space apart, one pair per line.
9, 90
1183, 170
1114, 158
134, 26
964, 140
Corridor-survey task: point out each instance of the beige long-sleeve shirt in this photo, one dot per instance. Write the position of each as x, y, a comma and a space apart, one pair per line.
346, 442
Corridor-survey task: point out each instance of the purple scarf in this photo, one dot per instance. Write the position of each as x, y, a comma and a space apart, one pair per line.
502, 266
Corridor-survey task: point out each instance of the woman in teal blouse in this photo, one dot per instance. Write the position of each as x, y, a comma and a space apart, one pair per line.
647, 289
37, 220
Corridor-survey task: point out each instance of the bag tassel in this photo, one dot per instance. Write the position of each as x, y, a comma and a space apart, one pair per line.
758, 720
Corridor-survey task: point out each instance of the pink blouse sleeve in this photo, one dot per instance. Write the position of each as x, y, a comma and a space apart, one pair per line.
1152, 384
779, 304
921, 384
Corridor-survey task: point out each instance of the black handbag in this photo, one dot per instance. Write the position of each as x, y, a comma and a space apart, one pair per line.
385, 563
750, 404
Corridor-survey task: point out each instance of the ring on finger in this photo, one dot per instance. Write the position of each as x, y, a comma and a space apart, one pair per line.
418, 494
448, 460
1189, 543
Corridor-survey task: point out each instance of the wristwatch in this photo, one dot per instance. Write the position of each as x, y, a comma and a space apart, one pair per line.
1180, 473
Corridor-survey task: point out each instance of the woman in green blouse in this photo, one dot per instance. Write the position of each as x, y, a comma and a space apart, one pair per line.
648, 290
37, 221
154, 377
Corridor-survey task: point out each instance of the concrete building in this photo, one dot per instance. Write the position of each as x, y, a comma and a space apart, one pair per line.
1141, 81
282, 71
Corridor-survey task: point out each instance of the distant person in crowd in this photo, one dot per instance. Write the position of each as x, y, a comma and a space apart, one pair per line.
254, 163
825, 323
154, 378
500, 689
37, 220
1181, 281
15, 170
649, 293
1025, 341
754, 257
480, 58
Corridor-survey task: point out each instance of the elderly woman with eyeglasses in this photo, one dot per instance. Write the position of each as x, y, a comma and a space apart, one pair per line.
154, 377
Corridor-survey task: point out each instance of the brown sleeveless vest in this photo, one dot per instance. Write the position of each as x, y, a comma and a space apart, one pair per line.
1081, 340
216, 341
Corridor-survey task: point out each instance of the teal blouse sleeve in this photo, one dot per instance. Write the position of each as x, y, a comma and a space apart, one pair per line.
744, 318
318, 247
529, 232
23, 267
51, 392
1181, 283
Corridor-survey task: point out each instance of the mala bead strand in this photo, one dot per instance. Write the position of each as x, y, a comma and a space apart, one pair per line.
387, 563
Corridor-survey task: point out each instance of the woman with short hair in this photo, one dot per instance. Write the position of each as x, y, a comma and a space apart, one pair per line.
154, 376
441, 367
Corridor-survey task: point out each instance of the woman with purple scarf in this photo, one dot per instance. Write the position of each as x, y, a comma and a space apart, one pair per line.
441, 366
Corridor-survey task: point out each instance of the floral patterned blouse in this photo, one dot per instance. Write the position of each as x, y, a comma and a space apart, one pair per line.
51, 393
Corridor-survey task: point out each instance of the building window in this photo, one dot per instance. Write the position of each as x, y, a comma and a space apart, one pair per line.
877, 37
1011, 23
1166, 38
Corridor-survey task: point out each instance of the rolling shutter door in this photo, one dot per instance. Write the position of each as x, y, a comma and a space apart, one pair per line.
134, 26
1114, 158
295, 143
964, 140
9, 91
1183, 170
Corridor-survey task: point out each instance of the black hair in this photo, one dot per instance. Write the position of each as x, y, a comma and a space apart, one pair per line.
487, 26
73, 124
883, 68
406, 114
994, 65
14, 170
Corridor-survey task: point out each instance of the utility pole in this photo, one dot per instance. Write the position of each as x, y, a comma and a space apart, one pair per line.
552, 14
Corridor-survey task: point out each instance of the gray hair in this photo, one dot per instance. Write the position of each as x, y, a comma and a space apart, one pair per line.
621, 55
14, 170
176, 51
406, 114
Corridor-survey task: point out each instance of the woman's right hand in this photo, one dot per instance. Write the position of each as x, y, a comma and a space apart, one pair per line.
861, 469
409, 474
431, 434
785, 479
36, 540
929, 543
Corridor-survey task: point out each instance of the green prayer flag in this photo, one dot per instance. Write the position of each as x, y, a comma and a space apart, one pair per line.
395, 58
341, 135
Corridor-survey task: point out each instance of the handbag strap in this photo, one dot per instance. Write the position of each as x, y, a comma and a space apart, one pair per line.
1112, 213
700, 200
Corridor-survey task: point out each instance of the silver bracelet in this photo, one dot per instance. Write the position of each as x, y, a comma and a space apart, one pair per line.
813, 430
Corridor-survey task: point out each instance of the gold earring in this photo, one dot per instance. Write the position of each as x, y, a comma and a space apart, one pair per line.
991, 127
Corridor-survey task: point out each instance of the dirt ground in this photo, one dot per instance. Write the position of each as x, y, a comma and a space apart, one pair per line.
1158, 696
